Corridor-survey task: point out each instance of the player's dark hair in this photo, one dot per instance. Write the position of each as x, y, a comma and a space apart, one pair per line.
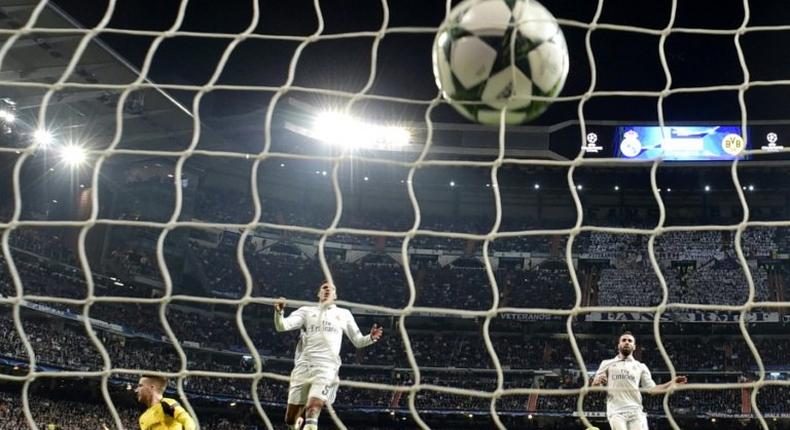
625, 333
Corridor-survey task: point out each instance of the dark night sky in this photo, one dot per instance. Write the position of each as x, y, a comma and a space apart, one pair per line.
624, 60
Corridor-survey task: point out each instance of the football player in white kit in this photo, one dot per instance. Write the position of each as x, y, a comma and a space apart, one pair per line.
623, 376
317, 356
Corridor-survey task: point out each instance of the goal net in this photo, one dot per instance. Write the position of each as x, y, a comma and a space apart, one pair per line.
169, 171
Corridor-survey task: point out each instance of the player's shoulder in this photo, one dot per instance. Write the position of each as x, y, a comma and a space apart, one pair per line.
172, 402
339, 313
608, 361
346, 312
169, 406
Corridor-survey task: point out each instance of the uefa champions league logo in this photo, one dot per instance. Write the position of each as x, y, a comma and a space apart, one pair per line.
592, 139
772, 138
630, 146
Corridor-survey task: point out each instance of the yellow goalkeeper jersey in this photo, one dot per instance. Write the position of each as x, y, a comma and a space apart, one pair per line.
166, 415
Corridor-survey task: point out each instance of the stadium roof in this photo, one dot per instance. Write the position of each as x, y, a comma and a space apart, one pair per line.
234, 120
84, 107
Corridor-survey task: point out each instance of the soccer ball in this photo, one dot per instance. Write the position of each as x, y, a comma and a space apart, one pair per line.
495, 54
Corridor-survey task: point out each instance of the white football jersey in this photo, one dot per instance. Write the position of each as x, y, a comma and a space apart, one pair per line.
322, 333
624, 377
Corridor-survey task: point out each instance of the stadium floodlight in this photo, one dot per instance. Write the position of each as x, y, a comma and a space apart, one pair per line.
617, 188
707, 188
43, 137
536, 186
342, 130
366, 178
452, 183
73, 155
579, 187
751, 187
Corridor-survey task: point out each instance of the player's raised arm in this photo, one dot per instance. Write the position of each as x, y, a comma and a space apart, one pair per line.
662, 388
646, 381
356, 337
292, 322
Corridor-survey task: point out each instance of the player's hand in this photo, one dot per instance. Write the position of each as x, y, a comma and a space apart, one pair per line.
376, 331
681, 380
279, 304
600, 380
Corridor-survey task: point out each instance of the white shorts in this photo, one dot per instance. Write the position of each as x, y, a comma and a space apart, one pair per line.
629, 420
308, 381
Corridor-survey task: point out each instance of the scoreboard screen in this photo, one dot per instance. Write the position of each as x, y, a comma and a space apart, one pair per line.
679, 143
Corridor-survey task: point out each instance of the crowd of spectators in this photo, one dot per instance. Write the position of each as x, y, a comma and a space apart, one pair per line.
691, 263
58, 414
70, 346
67, 346
629, 280
639, 285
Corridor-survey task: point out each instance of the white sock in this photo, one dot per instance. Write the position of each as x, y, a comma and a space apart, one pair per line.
311, 424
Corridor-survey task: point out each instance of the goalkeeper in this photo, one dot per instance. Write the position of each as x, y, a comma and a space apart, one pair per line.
163, 413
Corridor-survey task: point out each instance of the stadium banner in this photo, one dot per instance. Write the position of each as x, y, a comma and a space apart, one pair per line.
690, 317
591, 414
680, 143
100, 323
532, 317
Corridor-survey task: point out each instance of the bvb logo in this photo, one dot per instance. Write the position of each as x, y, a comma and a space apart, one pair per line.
732, 144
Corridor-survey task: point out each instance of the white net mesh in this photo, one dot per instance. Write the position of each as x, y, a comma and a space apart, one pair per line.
43, 24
